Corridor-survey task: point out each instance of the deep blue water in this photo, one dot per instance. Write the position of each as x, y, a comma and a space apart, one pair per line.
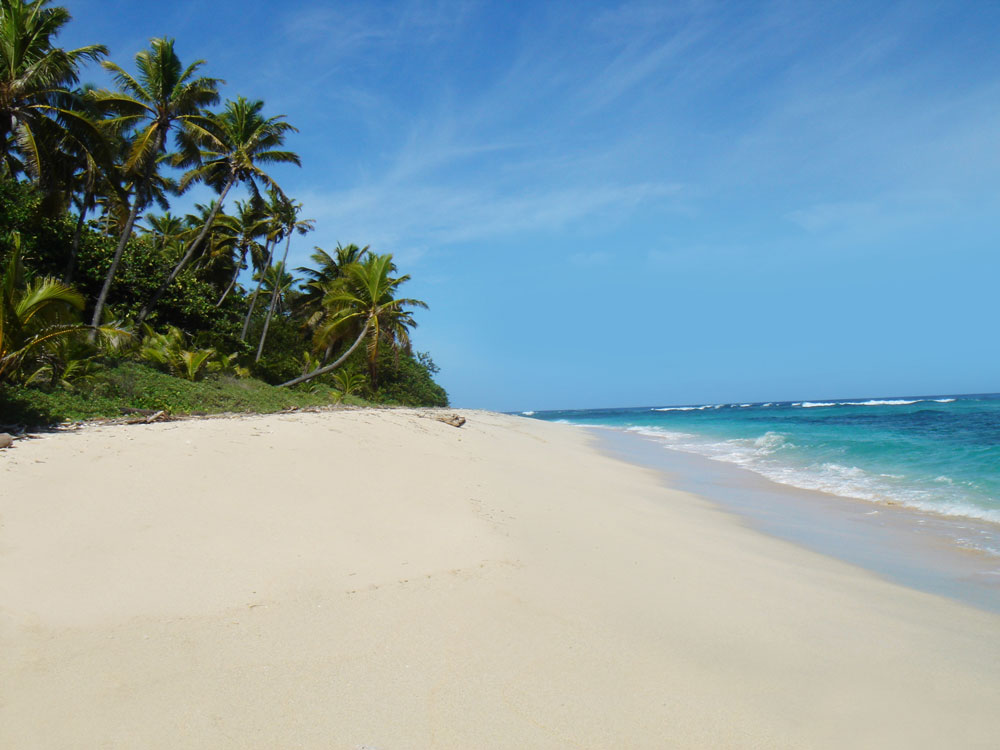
935, 453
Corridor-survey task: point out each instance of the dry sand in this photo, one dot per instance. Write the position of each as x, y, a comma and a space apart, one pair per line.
381, 580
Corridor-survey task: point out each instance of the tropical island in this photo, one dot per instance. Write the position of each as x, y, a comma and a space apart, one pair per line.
110, 302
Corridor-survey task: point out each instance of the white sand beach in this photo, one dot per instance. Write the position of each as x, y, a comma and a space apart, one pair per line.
378, 579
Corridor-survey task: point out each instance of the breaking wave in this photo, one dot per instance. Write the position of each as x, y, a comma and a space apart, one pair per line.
774, 456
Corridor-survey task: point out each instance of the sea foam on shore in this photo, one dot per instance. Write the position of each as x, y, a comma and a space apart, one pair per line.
939, 453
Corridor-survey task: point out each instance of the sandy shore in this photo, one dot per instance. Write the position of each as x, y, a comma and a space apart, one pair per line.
381, 580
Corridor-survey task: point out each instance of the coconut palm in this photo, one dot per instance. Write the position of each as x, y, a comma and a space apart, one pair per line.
272, 210
225, 149
168, 350
165, 229
150, 104
290, 224
278, 283
79, 169
327, 268
34, 313
363, 303
37, 108
250, 225
217, 242
348, 382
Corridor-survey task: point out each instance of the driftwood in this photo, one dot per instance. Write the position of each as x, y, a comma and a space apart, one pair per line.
6, 441
454, 420
147, 416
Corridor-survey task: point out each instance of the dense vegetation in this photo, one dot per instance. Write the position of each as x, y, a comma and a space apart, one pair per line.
98, 276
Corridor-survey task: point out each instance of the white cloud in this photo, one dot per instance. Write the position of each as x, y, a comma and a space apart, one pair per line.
396, 216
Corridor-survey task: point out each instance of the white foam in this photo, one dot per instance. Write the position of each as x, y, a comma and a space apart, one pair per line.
758, 455
678, 408
528, 413
871, 402
880, 402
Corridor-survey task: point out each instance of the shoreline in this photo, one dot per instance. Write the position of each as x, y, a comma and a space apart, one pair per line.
916, 548
381, 579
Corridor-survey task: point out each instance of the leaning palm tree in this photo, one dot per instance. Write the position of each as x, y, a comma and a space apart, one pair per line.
36, 106
290, 223
363, 303
326, 268
272, 210
217, 241
225, 149
163, 94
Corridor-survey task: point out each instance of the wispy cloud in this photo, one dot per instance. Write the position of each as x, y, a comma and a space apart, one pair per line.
347, 29
400, 216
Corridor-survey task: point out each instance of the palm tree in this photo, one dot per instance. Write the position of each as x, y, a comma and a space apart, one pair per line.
277, 284
78, 168
116, 188
217, 240
250, 225
165, 229
328, 268
272, 210
163, 94
36, 106
290, 224
33, 314
364, 302
225, 149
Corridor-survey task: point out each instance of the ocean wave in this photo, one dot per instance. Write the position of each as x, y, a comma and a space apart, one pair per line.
763, 455
881, 402
815, 404
770, 442
873, 402
855, 482
528, 413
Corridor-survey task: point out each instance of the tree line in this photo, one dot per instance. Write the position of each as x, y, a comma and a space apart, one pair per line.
95, 265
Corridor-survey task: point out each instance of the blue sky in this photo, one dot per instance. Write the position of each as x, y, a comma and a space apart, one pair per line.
613, 204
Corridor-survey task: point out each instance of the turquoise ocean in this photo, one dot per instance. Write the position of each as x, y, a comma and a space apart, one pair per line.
938, 454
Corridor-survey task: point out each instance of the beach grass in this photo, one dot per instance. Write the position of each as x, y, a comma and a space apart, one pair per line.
135, 386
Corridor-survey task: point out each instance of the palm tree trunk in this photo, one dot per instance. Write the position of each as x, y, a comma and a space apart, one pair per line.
74, 249
102, 298
232, 282
148, 307
327, 368
256, 292
126, 236
274, 300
